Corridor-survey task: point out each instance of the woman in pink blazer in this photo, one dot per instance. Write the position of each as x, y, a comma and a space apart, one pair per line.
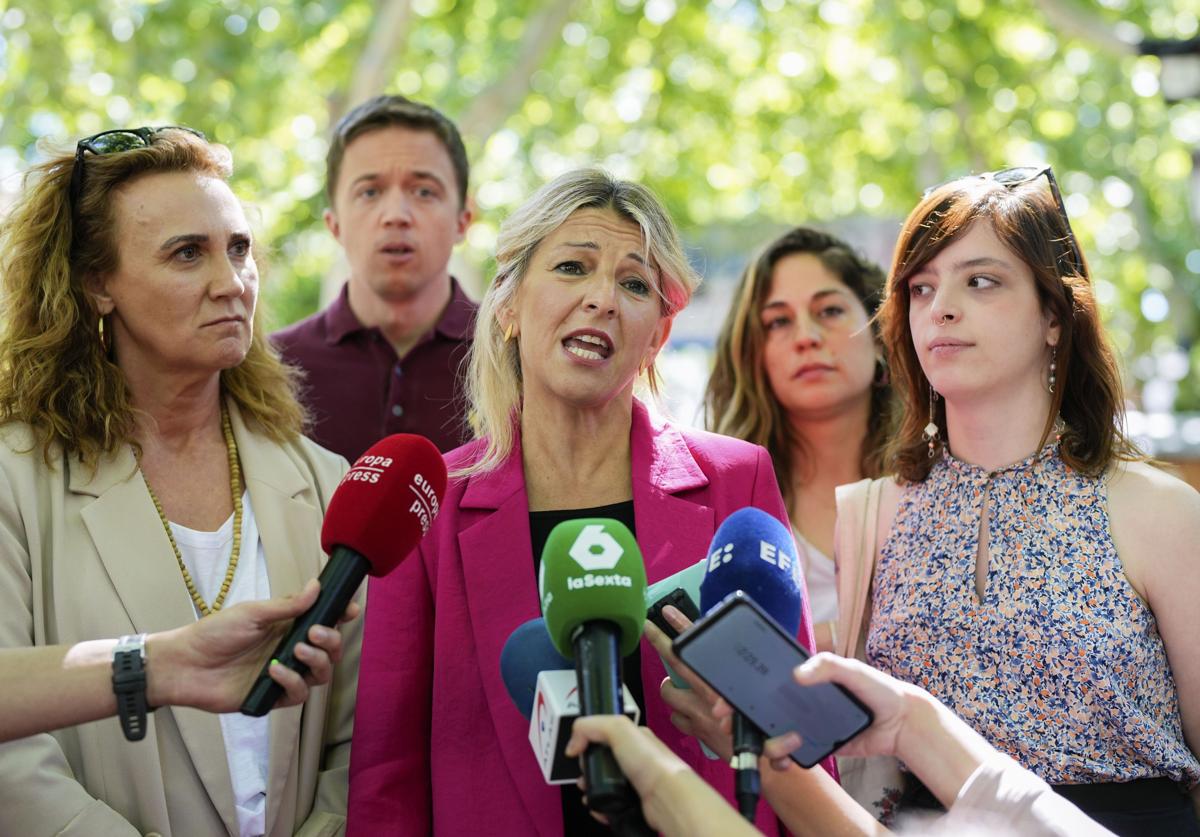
590, 275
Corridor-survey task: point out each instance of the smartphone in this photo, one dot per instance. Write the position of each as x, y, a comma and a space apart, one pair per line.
743, 654
678, 598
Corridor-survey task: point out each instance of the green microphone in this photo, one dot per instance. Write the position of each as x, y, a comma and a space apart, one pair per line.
592, 583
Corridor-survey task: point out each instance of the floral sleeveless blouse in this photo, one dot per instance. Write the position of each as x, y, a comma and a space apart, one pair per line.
1060, 664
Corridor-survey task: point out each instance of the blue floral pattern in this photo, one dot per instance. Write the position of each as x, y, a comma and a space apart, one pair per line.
1060, 663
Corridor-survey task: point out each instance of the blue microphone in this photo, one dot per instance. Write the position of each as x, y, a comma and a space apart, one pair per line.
755, 553
526, 654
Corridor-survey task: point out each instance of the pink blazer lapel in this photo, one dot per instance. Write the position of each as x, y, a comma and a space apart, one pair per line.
501, 594
673, 532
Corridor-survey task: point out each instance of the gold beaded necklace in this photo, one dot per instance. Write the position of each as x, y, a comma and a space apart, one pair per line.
235, 484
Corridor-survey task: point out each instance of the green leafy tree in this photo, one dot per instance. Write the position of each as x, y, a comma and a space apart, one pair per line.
745, 115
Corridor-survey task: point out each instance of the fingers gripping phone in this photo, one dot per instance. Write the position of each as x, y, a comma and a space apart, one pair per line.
744, 656
678, 598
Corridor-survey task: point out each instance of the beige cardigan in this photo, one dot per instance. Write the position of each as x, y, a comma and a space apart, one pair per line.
83, 556
875, 782
854, 554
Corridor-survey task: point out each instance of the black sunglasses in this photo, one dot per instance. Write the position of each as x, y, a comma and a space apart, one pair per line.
114, 142
1019, 175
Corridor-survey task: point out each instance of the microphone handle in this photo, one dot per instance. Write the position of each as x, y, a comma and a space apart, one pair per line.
598, 671
340, 579
747, 747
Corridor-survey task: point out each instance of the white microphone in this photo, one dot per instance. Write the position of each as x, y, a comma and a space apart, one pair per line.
555, 708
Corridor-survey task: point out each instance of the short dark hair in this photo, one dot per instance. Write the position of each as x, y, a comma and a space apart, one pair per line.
394, 110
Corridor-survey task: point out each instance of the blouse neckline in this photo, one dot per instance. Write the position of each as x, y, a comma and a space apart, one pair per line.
1029, 464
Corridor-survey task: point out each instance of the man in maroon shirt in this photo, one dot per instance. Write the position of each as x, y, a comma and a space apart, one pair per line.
385, 356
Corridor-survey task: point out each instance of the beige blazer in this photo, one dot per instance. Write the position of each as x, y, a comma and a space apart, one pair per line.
84, 556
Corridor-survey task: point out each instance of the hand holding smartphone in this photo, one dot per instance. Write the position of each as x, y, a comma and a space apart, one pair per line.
744, 656
679, 599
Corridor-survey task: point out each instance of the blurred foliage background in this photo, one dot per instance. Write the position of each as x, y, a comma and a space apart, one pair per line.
746, 116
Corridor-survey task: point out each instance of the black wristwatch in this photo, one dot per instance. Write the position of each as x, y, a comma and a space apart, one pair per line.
129, 685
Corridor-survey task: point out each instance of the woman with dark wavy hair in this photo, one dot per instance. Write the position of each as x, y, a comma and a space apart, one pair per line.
1034, 573
800, 371
152, 471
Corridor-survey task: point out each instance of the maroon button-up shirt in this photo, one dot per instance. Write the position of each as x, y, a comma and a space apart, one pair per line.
359, 391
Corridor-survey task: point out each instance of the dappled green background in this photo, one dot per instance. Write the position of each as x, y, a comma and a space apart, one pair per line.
745, 116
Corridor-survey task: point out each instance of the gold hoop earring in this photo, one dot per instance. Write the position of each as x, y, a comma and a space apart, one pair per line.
105, 339
508, 333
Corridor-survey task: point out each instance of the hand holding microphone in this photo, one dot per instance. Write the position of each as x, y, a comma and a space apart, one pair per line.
675, 800
382, 507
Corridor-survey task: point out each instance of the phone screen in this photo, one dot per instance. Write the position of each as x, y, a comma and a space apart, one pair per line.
748, 659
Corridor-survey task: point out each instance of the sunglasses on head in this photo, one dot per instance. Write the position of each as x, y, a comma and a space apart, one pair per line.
1020, 175
114, 142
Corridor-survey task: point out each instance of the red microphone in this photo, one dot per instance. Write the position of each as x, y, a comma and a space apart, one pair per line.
382, 507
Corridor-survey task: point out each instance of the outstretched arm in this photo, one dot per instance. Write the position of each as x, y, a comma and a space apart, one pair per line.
209, 664
982, 788
935, 743
808, 801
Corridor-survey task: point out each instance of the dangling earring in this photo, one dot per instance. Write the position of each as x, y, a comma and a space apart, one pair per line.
508, 333
1053, 369
642, 367
104, 338
931, 432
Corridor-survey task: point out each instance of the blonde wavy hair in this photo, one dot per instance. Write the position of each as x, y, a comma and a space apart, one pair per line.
54, 374
493, 384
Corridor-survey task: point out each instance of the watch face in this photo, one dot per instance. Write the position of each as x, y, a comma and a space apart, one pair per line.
132, 642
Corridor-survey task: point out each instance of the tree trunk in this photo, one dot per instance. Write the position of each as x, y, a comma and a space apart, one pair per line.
494, 105
389, 31
1078, 23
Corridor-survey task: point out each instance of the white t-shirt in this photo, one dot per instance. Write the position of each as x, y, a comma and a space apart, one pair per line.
820, 577
247, 744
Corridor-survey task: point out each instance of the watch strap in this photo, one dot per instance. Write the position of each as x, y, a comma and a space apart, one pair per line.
129, 685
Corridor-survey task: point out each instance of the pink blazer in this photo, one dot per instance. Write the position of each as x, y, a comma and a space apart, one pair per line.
439, 747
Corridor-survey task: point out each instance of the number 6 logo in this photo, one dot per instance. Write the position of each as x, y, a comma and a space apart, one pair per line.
595, 549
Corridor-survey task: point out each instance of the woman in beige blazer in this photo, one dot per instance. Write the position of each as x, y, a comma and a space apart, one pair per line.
140, 410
